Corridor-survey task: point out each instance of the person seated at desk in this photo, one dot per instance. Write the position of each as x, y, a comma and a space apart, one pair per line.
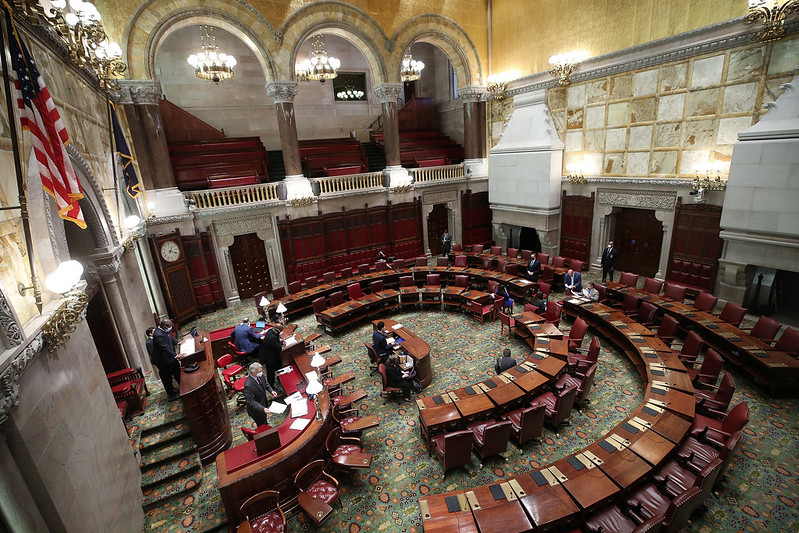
590, 292
271, 346
539, 303
397, 377
246, 339
505, 362
380, 343
573, 281
255, 394
533, 268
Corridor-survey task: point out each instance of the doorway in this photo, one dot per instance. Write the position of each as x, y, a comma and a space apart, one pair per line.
250, 265
437, 223
104, 330
638, 238
529, 240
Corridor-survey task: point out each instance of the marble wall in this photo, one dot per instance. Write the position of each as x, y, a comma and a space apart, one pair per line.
671, 120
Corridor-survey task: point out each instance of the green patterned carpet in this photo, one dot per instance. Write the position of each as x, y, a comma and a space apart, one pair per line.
760, 493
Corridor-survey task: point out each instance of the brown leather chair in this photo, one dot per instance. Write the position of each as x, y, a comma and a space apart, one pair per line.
442, 261
492, 286
512, 269
462, 280
344, 416
558, 405
257, 299
337, 298
329, 277
629, 305
339, 446
409, 291
461, 261
707, 429
554, 310
603, 294
453, 449
576, 265
678, 477
648, 501
577, 334
667, 330
313, 481
653, 285
675, 291
490, 438
646, 314
613, 519
558, 262
319, 306
580, 363
543, 258
496, 250
545, 288
691, 347
421, 261
278, 293
705, 302
527, 423
478, 248
629, 279
502, 265
708, 373
712, 398
457, 247
310, 282
765, 329
732, 314
295, 287
513, 252
696, 455
506, 321
263, 512
583, 381
487, 263
788, 342
387, 392
433, 281
526, 255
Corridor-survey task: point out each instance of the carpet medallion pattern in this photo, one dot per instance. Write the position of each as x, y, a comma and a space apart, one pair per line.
759, 494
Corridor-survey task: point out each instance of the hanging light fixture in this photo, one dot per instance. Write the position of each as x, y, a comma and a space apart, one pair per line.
320, 66
411, 69
211, 64
349, 93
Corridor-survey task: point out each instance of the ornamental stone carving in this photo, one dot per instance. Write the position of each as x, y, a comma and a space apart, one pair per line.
282, 92
440, 197
472, 93
227, 229
8, 322
388, 92
139, 92
9, 379
641, 199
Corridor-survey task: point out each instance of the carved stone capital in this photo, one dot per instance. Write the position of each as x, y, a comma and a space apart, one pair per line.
641, 199
139, 92
282, 92
388, 92
9, 379
9, 324
472, 93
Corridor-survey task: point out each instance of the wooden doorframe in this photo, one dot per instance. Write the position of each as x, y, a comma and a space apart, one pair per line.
267, 283
436, 230
104, 331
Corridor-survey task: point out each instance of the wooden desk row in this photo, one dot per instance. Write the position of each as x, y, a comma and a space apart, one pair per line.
567, 491
777, 371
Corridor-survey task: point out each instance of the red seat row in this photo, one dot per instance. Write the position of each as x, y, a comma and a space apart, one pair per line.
317, 267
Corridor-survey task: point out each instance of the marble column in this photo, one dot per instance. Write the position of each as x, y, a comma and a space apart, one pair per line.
109, 276
474, 129
283, 93
388, 93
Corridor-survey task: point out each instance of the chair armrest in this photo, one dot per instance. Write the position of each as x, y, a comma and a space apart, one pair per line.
704, 376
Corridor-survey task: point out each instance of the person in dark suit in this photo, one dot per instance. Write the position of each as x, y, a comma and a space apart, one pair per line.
149, 343
446, 243
271, 346
166, 359
255, 394
533, 269
539, 303
573, 281
609, 257
397, 377
246, 339
505, 362
379, 342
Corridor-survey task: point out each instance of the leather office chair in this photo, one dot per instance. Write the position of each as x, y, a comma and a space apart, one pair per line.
526, 255
765, 329
678, 478
496, 250
460, 261
229, 371
442, 261
490, 438
667, 330
614, 520
262, 311
512, 269
502, 265
513, 252
487, 263
506, 321
695, 455
354, 291
576, 265
373, 362
278, 293
409, 291
492, 286
788, 342
646, 314
558, 262
706, 429
319, 306
580, 363
709, 372
310, 282
653, 285
250, 433
577, 334
705, 302
337, 298
481, 311
675, 291
732, 314
421, 261
364, 269
339, 446
602, 290
346, 272
583, 381
263, 512
527, 423
691, 347
558, 405
712, 398
453, 449
315, 482
478, 248
329, 277
545, 288
629, 305
554, 310
542, 258
629, 279
387, 392
432, 282
295, 287
548, 276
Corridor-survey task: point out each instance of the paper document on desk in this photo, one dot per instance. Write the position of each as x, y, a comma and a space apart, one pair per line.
277, 407
284, 370
397, 326
186, 348
390, 340
300, 424
290, 341
293, 397
299, 409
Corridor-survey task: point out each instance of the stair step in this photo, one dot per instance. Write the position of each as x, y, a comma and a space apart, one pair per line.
160, 417
159, 454
165, 434
180, 485
175, 467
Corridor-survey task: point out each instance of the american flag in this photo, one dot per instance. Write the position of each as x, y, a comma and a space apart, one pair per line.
39, 115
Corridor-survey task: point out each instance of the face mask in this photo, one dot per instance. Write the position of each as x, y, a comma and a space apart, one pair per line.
260, 374
609, 246
169, 329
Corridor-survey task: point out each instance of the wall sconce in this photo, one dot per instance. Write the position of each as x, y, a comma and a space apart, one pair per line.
281, 309
575, 175
773, 13
498, 84
131, 224
65, 281
564, 64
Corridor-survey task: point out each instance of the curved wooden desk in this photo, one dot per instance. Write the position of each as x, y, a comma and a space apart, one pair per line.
204, 401
415, 347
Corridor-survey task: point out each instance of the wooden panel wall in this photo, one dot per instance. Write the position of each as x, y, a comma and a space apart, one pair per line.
182, 126
201, 260
576, 220
418, 114
476, 218
695, 245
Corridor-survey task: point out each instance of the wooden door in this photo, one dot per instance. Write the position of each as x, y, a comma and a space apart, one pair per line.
250, 265
638, 238
437, 223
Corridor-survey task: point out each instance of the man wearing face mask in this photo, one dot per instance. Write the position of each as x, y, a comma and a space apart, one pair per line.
255, 394
609, 257
166, 359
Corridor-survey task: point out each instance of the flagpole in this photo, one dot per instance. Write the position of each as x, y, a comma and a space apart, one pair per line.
114, 161
21, 187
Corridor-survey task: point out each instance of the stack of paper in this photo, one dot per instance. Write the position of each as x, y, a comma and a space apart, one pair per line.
300, 424
290, 341
299, 408
397, 326
284, 370
277, 407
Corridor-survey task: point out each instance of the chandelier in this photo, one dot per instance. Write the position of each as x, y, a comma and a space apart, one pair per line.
411, 69
773, 13
79, 26
320, 66
211, 64
349, 93
564, 64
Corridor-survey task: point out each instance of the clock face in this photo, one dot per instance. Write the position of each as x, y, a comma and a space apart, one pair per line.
170, 251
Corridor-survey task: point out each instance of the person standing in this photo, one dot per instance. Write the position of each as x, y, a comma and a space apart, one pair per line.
271, 347
166, 359
256, 394
446, 243
573, 281
609, 257
505, 362
533, 268
149, 343
380, 343
245, 339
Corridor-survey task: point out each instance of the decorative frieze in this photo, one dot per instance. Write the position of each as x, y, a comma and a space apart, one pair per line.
388, 92
641, 199
440, 197
472, 93
139, 92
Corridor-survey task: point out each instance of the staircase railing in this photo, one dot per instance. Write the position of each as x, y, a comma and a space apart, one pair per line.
428, 174
351, 182
232, 196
